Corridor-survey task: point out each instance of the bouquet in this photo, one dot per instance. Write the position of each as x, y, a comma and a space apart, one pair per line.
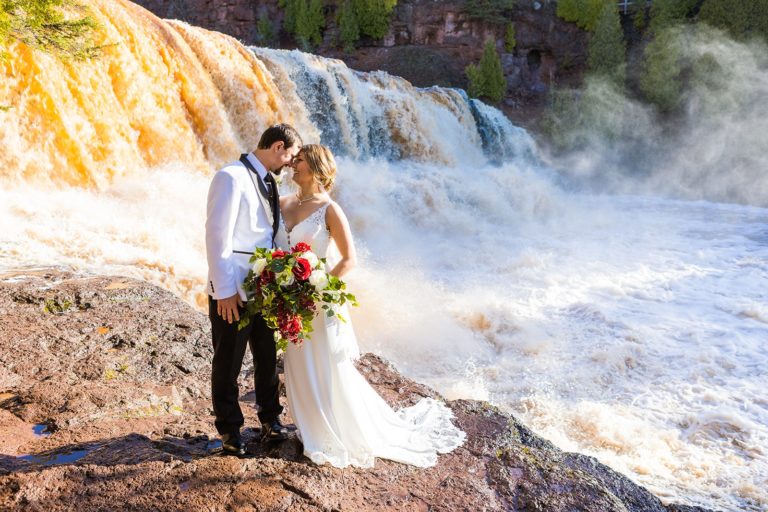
286, 289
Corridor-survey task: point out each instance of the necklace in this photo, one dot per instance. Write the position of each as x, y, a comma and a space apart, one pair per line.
306, 199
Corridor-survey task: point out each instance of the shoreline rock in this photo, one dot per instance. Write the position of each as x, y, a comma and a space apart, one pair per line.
105, 403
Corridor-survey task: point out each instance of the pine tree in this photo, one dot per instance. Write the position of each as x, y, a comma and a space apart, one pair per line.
666, 13
662, 68
290, 16
349, 30
741, 19
662, 15
44, 24
509, 38
265, 34
486, 79
476, 84
607, 49
585, 13
760, 18
639, 16
309, 23
373, 16
568, 10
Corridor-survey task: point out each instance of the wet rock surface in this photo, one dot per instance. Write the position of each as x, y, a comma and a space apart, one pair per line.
105, 404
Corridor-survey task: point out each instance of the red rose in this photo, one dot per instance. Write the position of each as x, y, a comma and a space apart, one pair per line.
295, 326
307, 303
302, 269
291, 327
278, 254
301, 247
266, 277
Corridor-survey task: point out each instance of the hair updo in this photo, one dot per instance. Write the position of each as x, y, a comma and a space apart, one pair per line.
321, 162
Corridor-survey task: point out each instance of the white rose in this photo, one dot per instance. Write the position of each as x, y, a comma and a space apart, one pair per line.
286, 278
311, 258
318, 279
259, 265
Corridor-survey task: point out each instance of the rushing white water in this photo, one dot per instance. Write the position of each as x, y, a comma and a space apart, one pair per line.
629, 328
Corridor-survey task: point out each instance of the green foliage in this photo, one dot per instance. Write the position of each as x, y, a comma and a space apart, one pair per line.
509, 38
741, 18
666, 13
585, 13
62, 27
291, 8
491, 11
661, 79
607, 48
288, 289
373, 16
309, 23
349, 29
265, 34
639, 15
595, 114
486, 79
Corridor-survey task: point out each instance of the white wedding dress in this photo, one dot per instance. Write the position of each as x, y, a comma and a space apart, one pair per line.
340, 418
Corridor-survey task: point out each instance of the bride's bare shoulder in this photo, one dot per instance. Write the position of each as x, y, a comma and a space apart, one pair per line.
333, 210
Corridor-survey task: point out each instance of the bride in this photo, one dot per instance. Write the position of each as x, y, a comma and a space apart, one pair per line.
340, 418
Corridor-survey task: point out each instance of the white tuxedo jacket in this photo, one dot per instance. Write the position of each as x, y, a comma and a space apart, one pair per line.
237, 223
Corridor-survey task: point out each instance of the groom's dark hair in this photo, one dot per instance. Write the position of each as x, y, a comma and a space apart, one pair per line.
284, 133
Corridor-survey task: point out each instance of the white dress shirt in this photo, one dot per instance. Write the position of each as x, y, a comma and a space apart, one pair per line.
236, 221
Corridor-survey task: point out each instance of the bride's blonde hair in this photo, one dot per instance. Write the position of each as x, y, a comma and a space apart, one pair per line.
323, 165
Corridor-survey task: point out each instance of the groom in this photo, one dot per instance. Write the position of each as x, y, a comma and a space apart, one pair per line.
243, 214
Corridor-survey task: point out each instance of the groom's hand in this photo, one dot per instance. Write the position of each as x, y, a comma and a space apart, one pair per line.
228, 308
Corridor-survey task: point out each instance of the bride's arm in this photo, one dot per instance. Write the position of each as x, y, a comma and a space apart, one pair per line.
339, 227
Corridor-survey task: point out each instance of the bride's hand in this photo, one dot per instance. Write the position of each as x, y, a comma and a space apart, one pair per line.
228, 308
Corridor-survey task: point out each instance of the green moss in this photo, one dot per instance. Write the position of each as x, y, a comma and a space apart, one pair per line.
117, 372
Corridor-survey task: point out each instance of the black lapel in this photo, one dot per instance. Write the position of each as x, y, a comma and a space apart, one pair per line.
275, 207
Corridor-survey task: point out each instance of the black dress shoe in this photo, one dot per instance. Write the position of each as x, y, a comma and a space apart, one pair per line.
232, 444
273, 431
280, 426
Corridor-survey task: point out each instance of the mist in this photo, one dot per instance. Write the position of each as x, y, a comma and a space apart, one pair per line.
714, 147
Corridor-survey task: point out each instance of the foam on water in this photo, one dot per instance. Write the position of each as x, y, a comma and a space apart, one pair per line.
625, 327
628, 328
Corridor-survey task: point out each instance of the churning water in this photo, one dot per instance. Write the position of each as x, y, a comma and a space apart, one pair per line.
627, 327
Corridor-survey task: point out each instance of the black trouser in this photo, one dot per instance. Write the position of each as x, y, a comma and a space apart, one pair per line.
228, 352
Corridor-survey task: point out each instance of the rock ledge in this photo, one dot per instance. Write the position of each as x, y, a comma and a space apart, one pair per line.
104, 404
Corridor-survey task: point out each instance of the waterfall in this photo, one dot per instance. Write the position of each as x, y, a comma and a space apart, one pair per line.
165, 92
374, 114
628, 328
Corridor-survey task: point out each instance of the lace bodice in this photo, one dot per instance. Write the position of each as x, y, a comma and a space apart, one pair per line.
312, 231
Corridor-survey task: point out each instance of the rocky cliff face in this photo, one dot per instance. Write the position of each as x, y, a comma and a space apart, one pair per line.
429, 42
105, 404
